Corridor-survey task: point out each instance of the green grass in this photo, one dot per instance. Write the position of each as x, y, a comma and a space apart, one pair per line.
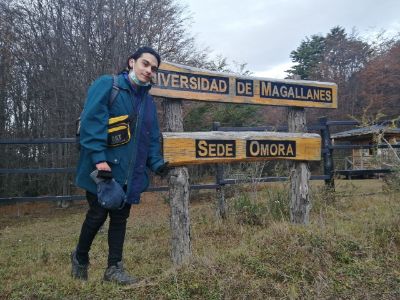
349, 251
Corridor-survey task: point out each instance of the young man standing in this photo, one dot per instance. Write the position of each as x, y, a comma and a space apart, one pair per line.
119, 139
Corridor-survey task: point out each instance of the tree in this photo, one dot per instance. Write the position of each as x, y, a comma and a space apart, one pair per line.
343, 55
307, 56
51, 50
379, 85
335, 57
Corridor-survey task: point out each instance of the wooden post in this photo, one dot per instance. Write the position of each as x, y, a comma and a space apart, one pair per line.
178, 192
300, 204
221, 203
220, 193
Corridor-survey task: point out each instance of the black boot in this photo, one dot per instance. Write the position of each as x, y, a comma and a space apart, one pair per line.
118, 275
78, 271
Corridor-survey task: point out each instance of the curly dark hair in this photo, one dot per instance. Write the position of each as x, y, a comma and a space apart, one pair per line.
145, 49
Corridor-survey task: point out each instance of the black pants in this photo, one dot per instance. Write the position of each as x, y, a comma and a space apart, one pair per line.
95, 218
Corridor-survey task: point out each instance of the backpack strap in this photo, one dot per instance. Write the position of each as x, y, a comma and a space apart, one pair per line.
114, 94
114, 91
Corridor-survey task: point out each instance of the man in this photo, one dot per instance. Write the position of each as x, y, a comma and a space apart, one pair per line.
119, 140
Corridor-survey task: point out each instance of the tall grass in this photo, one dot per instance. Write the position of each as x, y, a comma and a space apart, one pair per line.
349, 251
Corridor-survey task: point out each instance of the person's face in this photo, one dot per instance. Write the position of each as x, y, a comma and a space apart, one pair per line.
145, 67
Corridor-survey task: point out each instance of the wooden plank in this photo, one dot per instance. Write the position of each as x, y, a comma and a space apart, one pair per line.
184, 148
183, 82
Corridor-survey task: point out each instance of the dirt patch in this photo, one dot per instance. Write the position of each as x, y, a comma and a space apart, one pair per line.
149, 203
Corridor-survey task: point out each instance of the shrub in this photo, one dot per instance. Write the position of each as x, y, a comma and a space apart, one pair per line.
248, 211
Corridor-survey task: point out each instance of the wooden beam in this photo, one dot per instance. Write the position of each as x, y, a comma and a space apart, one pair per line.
183, 82
186, 148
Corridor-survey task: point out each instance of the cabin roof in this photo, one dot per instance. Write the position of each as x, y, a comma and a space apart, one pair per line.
365, 131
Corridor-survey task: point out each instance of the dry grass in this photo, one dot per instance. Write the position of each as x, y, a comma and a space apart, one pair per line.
349, 251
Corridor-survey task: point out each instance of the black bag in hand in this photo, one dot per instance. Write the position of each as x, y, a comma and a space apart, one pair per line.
110, 194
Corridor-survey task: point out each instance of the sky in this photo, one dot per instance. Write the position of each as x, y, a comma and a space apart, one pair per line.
262, 33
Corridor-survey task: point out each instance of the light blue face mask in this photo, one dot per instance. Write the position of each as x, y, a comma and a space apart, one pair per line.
133, 77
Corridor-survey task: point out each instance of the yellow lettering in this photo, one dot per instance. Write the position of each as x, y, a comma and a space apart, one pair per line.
283, 91
244, 88
302, 94
240, 88
184, 82
273, 149
264, 150
193, 83
229, 150
309, 94
322, 94
254, 148
266, 89
161, 78
214, 86
291, 93
281, 150
328, 96
316, 95
220, 150
205, 84
202, 148
175, 80
222, 86
296, 92
275, 92
289, 150
248, 88
212, 150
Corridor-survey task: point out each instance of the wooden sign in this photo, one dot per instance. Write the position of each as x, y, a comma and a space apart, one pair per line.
183, 82
183, 148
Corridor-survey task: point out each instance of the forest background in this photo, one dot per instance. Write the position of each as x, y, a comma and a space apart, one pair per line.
51, 51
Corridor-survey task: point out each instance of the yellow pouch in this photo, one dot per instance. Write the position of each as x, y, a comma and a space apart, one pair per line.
118, 131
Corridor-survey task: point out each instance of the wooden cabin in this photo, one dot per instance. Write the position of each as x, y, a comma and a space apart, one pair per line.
373, 158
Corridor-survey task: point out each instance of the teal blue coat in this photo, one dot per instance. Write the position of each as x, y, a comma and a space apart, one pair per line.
128, 162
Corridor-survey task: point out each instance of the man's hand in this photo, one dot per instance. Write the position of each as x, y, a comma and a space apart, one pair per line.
103, 166
163, 170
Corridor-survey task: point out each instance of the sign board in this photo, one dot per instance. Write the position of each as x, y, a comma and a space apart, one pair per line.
183, 148
183, 82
